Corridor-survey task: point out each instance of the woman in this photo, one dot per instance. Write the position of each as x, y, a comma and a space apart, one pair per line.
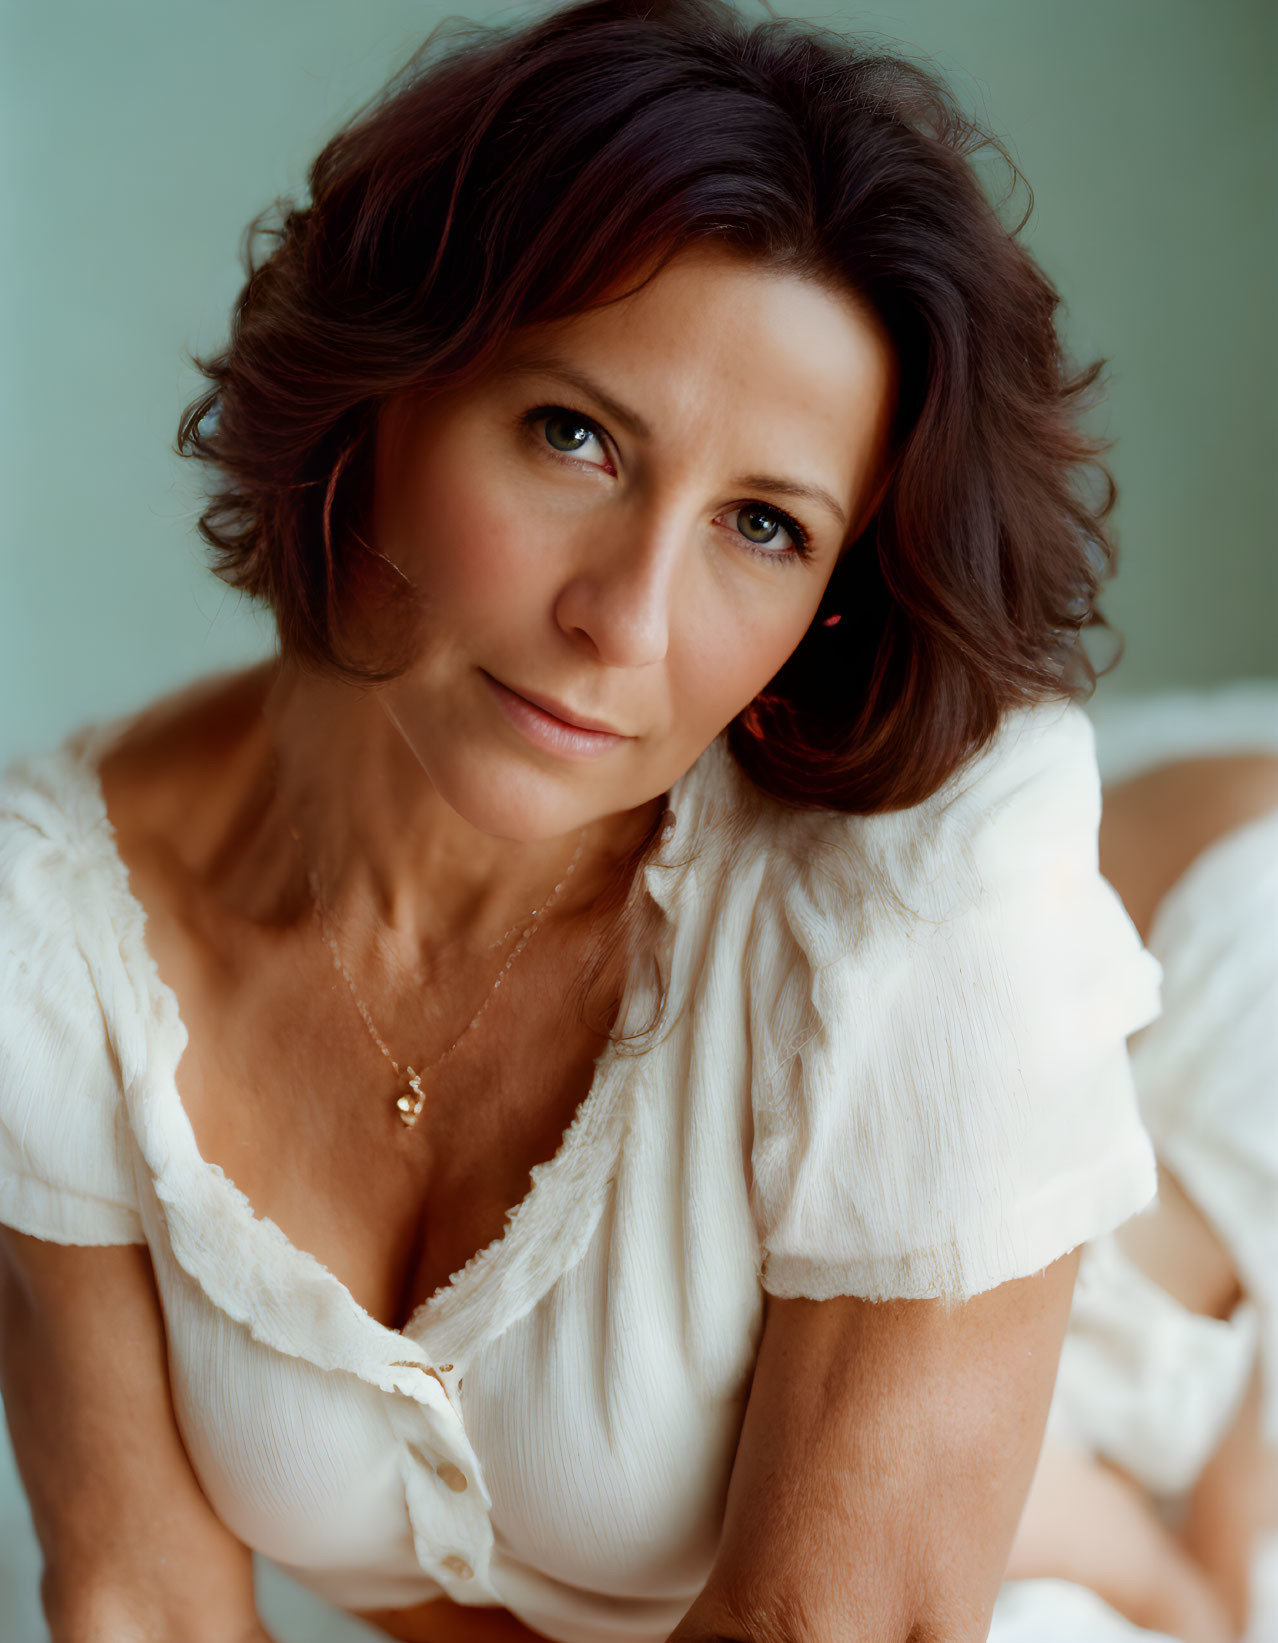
668, 814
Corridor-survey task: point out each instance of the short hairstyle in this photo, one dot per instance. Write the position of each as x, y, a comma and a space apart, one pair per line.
514, 174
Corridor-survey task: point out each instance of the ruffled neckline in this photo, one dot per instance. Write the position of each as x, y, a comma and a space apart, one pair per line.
245, 1262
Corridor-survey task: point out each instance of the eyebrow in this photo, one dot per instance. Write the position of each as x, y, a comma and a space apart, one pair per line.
555, 365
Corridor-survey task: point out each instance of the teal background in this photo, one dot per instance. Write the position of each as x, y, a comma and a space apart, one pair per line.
137, 138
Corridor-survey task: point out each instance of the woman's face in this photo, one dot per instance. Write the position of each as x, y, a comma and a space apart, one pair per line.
632, 516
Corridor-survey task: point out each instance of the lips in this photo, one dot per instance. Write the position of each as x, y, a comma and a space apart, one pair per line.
579, 721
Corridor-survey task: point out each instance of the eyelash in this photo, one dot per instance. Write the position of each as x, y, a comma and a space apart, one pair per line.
798, 535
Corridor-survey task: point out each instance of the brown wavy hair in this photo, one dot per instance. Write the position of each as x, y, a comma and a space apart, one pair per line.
515, 174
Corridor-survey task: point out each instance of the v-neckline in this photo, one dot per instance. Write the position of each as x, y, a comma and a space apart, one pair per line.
499, 1280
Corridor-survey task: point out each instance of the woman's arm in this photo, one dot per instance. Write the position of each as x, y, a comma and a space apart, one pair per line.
886, 1453
132, 1548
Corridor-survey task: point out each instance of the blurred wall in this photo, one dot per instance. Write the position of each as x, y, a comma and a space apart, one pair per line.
138, 137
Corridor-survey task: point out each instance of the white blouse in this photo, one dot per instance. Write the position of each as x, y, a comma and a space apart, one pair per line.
893, 1065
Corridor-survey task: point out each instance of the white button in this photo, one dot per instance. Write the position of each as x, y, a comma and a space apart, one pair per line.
457, 1566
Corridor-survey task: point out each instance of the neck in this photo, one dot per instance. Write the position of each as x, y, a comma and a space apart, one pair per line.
382, 844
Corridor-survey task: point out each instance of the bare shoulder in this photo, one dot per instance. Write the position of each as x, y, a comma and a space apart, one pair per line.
1155, 825
180, 756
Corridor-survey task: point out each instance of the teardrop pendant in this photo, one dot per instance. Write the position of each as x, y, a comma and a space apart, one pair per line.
410, 1110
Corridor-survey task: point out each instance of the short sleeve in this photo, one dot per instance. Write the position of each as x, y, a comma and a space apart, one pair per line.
941, 998
65, 1149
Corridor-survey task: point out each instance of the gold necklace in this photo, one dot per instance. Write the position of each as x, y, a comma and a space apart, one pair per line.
411, 1097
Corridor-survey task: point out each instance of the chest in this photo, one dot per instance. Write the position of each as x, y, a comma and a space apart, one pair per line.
598, 1417
287, 1092
600, 1450
595, 1370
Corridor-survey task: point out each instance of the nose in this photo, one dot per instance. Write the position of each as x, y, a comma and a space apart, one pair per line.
619, 596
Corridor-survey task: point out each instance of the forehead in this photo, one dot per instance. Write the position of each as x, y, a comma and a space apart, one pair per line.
712, 317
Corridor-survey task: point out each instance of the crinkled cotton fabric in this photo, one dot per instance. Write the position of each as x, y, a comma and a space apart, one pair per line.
893, 1064
1209, 1076
1143, 1381
1058, 1611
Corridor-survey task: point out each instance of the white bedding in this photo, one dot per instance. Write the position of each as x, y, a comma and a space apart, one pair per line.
1116, 1370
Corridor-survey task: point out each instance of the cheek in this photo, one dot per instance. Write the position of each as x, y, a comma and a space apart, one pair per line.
730, 663
472, 546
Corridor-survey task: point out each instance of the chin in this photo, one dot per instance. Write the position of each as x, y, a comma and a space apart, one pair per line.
498, 797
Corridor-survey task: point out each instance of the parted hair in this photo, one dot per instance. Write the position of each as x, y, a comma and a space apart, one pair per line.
516, 174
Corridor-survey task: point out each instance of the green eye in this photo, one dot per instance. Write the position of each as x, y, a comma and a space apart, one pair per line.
567, 431
748, 517
763, 538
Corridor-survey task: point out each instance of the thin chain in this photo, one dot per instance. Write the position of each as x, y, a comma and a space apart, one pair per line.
408, 1105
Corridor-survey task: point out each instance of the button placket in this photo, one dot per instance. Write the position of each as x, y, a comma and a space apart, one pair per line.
449, 1475
448, 1505
435, 1373
452, 1532
437, 1441
431, 1393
